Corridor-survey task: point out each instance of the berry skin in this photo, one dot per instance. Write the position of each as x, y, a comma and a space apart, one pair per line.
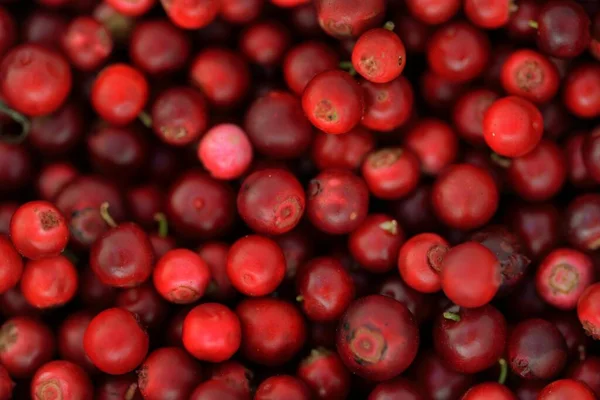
566, 389
87, 43
306, 60
7, 385
389, 105
345, 151
115, 342
191, 15
181, 276
282, 387
271, 201
488, 14
119, 94
130, 8
38, 230
377, 338
391, 173
420, 261
530, 75
588, 310
563, 29
215, 389
375, 243
333, 102
11, 265
325, 374
468, 114
211, 332
349, 18
433, 12
61, 378
398, 388
512, 126
489, 391
470, 275
434, 143
581, 93
49, 282
225, 151
255, 265
42, 95
379, 55
265, 43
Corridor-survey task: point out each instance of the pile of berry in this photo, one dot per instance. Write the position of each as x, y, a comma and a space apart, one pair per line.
300, 199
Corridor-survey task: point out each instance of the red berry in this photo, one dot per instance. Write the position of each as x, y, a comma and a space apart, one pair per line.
215, 256
49, 282
586, 371
265, 43
191, 14
389, 105
240, 11
434, 143
563, 28
530, 75
70, 340
282, 387
132, 8
376, 242
349, 18
488, 14
566, 389
61, 379
87, 43
181, 276
400, 388
7, 385
590, 154
325, 375
582, 222
306, 60
145, 303
225, 151
379, 55
58, 132
11, 265
115, 342
581, 93
215, 389
53, 178
588, 310
489, 391
345, 151
468, 114
433, 12
25, 345
420, 261
8, 31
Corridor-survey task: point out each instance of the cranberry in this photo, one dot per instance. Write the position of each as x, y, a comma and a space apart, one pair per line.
377, 337
489, 390
53, 177
418, 304
420, 259
588, 310
563, 28
59, 132
235, 375
70, 340
325, 375
519, 24
538, 225
306, 60
225, 151
181, 276
581, 91
437, 380
49, 282
582, 216
536, 350
345, 151
61, 378
530, 75
11, 265
145, 303
118, 387
400, 388
115, 342
435, 144
391, 173
376, 242
586, 371
343, 18
273, 331
215, 256
388, 105
193, 15
468, 114
566, 389
240, 11
87, 43
433, 12
488, 14
214, 389
265, 43
25, 345
282, 387
134, 8
145, 203
168, 372
379, 55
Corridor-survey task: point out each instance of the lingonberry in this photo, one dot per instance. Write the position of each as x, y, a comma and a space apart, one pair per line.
38, 230
420, 261
488, 14
179, 116
400, 388
25, 345
464, 206
590, 154
379, 55
59, 132
470, 340
388, 105
337, 201
191, 15
118, 387
333, 102
13, 304
512, 126
7, 385
582, 222
235, 374
377, 338
435, 144
11, 265
240, 11
468, 114
145, 203
306, 60
581, 93
122, 257
588, 310
168, 372
53, 177
489, 391
61, 378
438, 92
563, 29
586, 371
325, 289
7, 210
87, 43
119, 94
255, 265
70, 340
273, 330
135, 8
40, 96
470, 275
8, 31
376, 242
578, 343
538, 225
566, 389
45, 28
282, 387
458, 51
265, 42
157, 47
271, 201
536, 349
181, 276
297, 249
433, 12
215, 389
345, 151
325, 375
344, 19
49, 282
418, 304
277, 127
115, 342
562, 276
530, 75
437, 381
145, 303
222, 75
225, 151
215, 256
519, 24
199, 206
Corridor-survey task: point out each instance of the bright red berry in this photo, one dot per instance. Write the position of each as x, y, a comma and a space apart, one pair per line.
225, 151
49, 282
379, 55
11, 265
181, 276
191, 14
61, 379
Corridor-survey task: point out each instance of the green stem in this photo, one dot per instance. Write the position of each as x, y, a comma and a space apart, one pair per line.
503, 371
163, 224
20, 119
145, 119
389, 26
105, 214
452, 316
347, 66
533, 24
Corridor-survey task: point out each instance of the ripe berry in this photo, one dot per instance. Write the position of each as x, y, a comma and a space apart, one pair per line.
191, 15
379, 55
376, 242
11, 265
7, 385
582, 222
70, 340
468, 114
489, 390
586, 372
588, 310
325, 374
214, 389
420, 261
115, 342
225, 151
58, 132
306, 60
49, 282
433, 12
271, 201
215, 256
333, 101
53, 178
434, 143
391, 173
61, 378
512, 126
581, 93
377, 338
345, 151
38, 230
181, 276
265, 43
566, 389
563, 29
240, 11
530, 75
437, 380
282, 387
87, 43
590, 154
134, 8
349, 18
389, 105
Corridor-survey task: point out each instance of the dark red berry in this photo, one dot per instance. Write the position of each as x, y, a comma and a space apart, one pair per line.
563, 28
376, 242
325, 374
282, 387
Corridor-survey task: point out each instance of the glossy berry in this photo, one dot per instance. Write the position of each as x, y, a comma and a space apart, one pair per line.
512, 126
325, 374
282, 387
470, 340
470, 275
345, 151
87, 43
389, 105
61, 378
134, 8
306, 60
536, 350
255, 265
49, 282
391, 173
588, 310
396, 388
434, 143
344, 19
39, 230
271, 201
377, 338
420, 261
468, 114
530, 75
191, 15
214, 389
115, 342
265, 43
11, 265
566, 389
582, 222
376, 242
225, 151
590, 154
325, 289
488, 14
489, 390
581, 93
40, 96
433, 12
273, 330
464, 206
563, 29
119, 94
337, 201
379, 55
333, 102
181, 276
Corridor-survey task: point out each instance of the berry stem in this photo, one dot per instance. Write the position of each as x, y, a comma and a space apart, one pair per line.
145, 119
105, 214
533, 24
389, 26
163, 224
131, 391
347, 66
299, 298
503, 371
20, 119
500, 161
452, 316
390, 226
